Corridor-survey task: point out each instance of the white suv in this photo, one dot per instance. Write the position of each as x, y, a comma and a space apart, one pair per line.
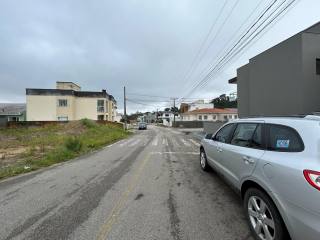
274, 163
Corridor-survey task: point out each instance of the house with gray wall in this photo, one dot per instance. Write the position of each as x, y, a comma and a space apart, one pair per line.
12, 112
283, 80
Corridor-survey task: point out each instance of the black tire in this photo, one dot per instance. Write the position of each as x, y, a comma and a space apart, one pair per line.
279, 231
204, 166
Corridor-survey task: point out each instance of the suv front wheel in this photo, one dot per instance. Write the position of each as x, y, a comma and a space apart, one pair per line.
263, 217
203, 161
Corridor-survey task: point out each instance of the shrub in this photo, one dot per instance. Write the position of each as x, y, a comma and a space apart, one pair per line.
88, 123
73, 144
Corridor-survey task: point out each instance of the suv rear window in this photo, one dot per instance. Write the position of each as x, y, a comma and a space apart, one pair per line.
283, 139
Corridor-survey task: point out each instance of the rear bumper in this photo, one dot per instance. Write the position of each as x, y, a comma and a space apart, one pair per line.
301, 223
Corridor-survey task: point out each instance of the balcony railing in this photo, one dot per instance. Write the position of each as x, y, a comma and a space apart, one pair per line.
100, 109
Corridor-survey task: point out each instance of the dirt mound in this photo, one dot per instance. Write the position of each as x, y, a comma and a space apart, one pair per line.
74, 128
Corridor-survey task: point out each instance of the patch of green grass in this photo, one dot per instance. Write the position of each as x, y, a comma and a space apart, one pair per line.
53, 144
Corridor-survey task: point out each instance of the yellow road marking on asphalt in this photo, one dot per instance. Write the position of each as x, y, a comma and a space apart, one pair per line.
112, 218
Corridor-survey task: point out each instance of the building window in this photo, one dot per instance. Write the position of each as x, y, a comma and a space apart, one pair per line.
100, 117
62, 102
214, 117
205, 117
200, 117
230, 116
318, 66
100, 105
63, 118
225, 117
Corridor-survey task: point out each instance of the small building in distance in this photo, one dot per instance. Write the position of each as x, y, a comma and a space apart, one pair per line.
283, 80
67, 102
199, 104
12, 112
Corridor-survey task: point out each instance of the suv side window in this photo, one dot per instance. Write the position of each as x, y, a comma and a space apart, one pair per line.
224, 135
243, 135
283, 139
257, 139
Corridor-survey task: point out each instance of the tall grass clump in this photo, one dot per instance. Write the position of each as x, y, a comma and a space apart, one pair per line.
88, 123
73, 144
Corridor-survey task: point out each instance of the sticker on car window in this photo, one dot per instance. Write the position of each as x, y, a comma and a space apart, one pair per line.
283, 143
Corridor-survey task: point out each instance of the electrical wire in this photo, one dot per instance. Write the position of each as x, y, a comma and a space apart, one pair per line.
236, 49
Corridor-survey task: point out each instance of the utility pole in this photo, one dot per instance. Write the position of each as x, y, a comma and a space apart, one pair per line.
157, 115
125, 108
174, 111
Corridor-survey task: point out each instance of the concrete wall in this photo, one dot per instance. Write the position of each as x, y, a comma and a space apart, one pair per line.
274, 78
310, 83
87, 108
212, 127
243, 90
3, 121
45, 108
67, 111
67, 85
41, 108
283, 79
188, 124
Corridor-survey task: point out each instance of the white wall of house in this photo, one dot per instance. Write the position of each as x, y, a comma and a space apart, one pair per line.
46, 108
41, 108
208, 117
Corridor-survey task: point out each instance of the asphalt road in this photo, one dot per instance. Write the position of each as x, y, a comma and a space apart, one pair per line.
149, 186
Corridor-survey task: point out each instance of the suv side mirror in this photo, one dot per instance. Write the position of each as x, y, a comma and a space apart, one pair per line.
208, 136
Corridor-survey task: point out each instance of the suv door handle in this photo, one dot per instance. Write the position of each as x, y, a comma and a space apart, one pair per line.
247, 160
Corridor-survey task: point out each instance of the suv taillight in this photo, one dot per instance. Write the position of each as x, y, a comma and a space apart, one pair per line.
313, 178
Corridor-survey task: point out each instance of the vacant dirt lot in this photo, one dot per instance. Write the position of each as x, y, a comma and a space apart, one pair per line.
28, 148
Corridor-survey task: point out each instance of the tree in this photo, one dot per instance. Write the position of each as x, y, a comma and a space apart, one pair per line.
223, 101
175, 109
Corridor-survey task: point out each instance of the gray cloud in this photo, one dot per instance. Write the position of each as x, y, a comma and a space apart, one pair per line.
143, 44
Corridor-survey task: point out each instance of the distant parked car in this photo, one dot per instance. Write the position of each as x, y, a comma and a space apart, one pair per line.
142, 126
274, 163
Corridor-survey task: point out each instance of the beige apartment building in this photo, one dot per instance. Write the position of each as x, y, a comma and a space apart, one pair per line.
67, 102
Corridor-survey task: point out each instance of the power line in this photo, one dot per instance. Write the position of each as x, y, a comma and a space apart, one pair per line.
234, 51
223, 62
215, 36
149, 100
237, 43
145, 104
145, 95
203, 43
233, 36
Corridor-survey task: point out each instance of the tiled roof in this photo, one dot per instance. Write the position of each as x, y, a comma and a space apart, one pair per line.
214, 110
12, 108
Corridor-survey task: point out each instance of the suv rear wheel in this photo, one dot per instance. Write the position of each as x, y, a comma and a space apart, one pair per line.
264, 219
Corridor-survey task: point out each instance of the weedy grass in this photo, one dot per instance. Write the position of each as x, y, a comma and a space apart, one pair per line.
53, 144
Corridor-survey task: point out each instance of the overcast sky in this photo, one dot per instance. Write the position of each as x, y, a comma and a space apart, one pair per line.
146, 45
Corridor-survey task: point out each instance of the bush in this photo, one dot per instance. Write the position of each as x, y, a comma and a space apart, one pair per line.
88, 123
73, 144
